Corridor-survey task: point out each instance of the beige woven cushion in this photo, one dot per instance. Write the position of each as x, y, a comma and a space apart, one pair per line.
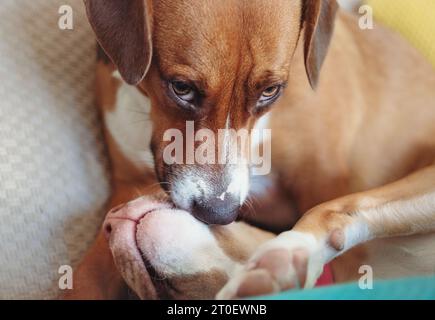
53, 177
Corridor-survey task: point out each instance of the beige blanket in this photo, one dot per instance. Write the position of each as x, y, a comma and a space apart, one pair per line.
53, 180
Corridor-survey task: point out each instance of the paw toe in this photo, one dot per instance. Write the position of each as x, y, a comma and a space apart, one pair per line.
275, 261
255, 283
300, 264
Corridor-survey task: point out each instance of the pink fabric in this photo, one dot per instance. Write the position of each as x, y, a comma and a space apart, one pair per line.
326, 278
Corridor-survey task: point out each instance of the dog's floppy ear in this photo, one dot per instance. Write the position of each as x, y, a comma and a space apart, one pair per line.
123, 30
318, 18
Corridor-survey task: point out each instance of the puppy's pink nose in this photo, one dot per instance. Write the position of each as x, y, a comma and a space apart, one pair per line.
107, 224
129, 215
218, 210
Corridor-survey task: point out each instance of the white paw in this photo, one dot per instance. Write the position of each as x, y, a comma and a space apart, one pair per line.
292, 260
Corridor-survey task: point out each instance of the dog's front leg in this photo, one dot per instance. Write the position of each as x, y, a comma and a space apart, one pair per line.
296, 258
97, 278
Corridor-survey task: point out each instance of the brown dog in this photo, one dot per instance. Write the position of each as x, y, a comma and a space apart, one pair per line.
353, 146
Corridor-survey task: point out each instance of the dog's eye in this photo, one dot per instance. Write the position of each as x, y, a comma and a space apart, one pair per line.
269, 95
182, 91
270, 92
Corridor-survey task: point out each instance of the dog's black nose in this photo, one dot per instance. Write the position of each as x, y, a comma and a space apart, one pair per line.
219, 210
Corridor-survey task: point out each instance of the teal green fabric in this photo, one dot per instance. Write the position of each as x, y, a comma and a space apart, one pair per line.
403, 289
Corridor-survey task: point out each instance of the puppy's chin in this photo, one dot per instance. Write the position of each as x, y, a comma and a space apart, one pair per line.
120, 227
186, 259
166, 253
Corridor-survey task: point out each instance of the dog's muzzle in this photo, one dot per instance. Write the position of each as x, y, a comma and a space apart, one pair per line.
211, 196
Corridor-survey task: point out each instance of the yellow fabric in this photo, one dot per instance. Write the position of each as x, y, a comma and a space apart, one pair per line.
414, 19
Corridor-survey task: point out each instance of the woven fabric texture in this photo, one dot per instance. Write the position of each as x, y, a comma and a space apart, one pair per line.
53, 170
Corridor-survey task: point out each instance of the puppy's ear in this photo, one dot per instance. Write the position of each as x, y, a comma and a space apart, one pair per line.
123, 30
318, 18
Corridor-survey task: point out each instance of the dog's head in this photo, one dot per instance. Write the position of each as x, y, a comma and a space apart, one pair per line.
209, 65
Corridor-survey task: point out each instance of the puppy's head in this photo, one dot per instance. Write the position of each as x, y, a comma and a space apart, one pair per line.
166, 253
209, 66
